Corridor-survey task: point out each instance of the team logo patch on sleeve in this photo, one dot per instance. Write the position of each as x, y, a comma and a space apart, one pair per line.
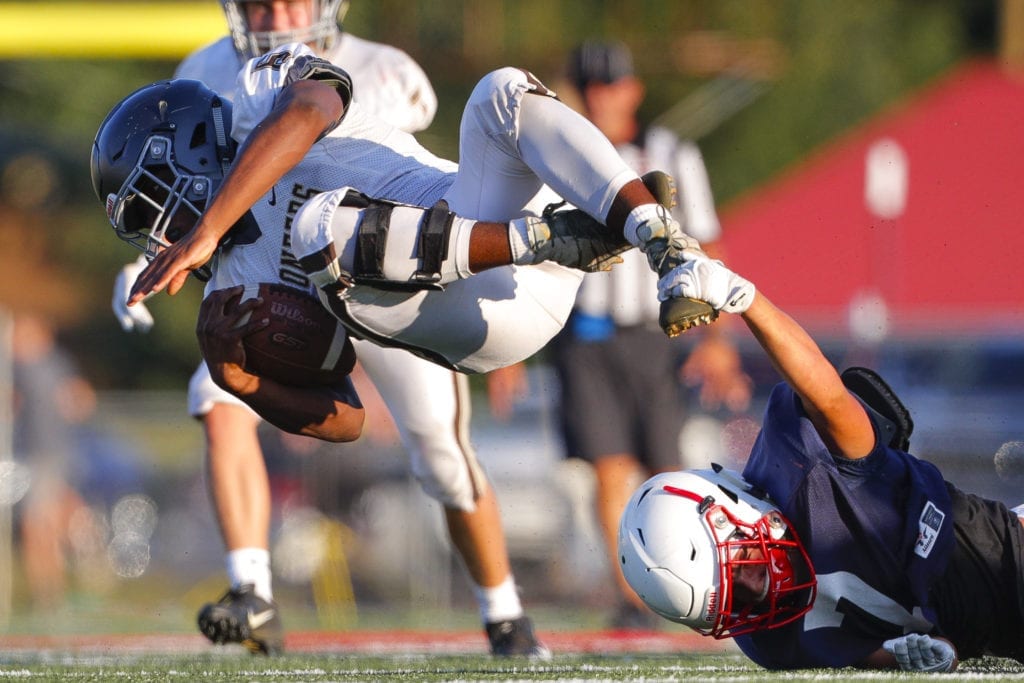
928, 527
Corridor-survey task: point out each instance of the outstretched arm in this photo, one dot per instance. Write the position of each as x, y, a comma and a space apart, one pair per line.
304, 110
840, 419
838, 416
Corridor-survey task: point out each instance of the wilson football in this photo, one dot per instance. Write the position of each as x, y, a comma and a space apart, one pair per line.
303, 345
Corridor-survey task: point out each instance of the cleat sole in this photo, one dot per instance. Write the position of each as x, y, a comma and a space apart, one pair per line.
678, 315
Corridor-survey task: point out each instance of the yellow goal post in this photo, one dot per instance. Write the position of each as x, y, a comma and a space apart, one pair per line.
115, 30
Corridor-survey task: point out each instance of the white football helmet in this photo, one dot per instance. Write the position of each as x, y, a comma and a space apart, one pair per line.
686, 536
323, 30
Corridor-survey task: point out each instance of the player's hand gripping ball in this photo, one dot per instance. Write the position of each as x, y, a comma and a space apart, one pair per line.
302, 345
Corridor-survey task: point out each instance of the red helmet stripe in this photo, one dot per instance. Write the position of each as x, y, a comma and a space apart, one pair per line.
684, 493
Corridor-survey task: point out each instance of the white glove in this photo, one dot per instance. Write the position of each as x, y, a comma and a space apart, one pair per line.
135, 317
918, 652
706, 280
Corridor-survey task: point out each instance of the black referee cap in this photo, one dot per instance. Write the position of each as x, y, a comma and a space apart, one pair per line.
599, 62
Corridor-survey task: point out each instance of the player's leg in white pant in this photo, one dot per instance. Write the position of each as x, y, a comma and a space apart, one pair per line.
514, 141
492, 319
240, 493
507, 128
503, 315
431, 407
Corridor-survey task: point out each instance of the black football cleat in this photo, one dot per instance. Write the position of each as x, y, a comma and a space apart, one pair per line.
241, 616
676, 315
515, 638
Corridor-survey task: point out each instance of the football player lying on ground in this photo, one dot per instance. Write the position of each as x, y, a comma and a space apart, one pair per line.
515, 137
836, 547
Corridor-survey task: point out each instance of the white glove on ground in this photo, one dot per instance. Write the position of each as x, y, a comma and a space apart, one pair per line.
137, 317
707, 280
918, 652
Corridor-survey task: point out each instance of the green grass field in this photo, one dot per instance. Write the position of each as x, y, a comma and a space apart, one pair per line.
90, 640
128, 661
316, 668
146, 633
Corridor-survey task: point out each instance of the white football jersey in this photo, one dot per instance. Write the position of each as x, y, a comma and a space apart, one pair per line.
362, 152
387, 81
391, 85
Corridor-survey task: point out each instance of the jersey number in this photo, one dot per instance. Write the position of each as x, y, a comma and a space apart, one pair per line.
844, 597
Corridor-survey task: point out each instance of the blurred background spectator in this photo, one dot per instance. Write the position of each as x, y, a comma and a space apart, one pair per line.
622, 381
44, 444
73, 473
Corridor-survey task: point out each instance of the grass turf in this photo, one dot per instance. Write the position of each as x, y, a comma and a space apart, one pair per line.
231, 665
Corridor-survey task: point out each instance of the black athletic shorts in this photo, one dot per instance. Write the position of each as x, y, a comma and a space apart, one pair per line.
980, 598
621, 395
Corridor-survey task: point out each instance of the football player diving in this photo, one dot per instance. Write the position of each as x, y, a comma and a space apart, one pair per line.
463, 297
430, 404
155, 188
836, 547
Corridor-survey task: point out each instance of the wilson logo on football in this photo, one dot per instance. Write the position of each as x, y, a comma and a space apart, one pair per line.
292, 314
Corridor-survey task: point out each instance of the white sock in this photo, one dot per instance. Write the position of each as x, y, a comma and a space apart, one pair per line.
499, 603
519, 242
250, 565
638, 217
458, 259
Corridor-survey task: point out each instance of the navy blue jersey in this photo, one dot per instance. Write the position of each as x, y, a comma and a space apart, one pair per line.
878, 530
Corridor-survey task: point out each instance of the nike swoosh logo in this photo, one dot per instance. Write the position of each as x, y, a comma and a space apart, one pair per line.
257, 619
736, 301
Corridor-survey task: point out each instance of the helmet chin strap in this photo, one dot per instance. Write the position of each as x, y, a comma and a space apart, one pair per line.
764, 589
220, 132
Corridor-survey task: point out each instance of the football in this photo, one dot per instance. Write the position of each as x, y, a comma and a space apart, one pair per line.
303, 345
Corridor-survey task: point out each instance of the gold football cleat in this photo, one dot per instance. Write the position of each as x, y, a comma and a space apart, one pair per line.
678, 315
